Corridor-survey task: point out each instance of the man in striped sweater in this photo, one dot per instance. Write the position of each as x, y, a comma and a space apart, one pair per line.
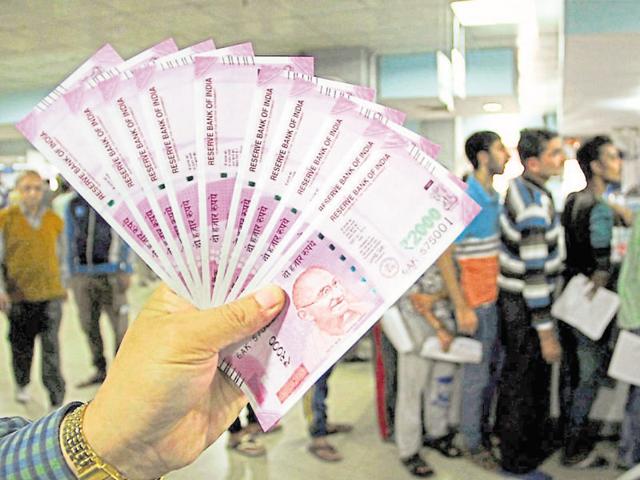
530, 263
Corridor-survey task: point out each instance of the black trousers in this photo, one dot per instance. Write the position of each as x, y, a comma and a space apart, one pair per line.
522, 416
27, 321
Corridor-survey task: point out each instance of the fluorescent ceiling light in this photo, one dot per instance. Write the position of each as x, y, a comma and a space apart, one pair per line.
474, 13
492, 107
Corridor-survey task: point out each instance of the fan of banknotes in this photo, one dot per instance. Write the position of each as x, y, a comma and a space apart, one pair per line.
225, 171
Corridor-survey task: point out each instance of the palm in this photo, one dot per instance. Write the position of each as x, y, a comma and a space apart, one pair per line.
195, 419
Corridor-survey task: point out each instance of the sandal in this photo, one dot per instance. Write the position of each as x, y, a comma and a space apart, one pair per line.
484, 459
417, 466
247, 445
333, 428
445, 446
325, 452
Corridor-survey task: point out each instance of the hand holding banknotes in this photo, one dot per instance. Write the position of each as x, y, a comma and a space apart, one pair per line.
164, 401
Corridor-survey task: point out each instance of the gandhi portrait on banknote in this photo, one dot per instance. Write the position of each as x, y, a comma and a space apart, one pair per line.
320, 297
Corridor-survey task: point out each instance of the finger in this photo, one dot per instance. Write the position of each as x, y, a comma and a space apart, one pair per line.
219, 327
164, 300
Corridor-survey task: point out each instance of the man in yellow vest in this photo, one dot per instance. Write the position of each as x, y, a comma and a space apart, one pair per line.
31, 288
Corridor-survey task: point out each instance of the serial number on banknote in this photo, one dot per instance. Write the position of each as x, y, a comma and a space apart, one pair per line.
279, 350
431, 227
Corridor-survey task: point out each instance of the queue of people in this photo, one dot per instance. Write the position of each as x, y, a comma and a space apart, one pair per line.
511, 263
496, 284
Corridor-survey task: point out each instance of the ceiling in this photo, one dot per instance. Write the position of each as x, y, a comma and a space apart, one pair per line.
42, 41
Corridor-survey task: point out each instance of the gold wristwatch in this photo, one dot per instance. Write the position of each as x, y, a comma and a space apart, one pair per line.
88, 465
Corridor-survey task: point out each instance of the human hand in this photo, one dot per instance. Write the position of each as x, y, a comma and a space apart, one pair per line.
124, 281
423, 302
5, 302
467, 320
624, 213
599, 279
550, 347
164, 401
445, 338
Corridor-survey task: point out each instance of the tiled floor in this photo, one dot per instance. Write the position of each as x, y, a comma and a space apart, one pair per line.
351, 400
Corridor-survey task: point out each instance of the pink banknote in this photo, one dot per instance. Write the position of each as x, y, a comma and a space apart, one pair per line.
90, 160
314, 106
166, 94
308, 102
387, 225
225, 89
343, 145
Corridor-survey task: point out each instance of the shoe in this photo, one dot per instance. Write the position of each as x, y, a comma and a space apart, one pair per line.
333, 428
246, 444
484, 459
532, 475
417, 466
97, 379
622, 467
22, 395
593, 460
444, 445
324, 451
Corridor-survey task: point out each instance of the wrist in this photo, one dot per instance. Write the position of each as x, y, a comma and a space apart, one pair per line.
79, 453
460, 304
111, 444
546, 335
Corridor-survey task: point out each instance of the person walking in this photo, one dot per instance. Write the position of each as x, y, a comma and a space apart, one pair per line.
31, 285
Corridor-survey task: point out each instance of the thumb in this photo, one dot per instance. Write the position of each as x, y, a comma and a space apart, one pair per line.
222, 326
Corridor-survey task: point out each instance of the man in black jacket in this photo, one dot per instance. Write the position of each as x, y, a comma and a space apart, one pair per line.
100, 270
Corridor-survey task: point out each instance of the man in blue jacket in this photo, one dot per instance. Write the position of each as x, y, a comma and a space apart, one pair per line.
100, 274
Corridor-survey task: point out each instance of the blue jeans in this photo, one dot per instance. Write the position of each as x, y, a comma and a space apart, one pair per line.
315, 406
629, 448
479, 380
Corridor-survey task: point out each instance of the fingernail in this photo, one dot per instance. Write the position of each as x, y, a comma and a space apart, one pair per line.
269, 296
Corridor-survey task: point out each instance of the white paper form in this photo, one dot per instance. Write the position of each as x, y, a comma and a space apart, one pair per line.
589, 315
626, 358
461, 350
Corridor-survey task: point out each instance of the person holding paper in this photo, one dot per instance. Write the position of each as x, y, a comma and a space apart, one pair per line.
588, 224
321, 298
98, 262
629, 319
31, 285
163, 402
425, 386
476, 254
530, 264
